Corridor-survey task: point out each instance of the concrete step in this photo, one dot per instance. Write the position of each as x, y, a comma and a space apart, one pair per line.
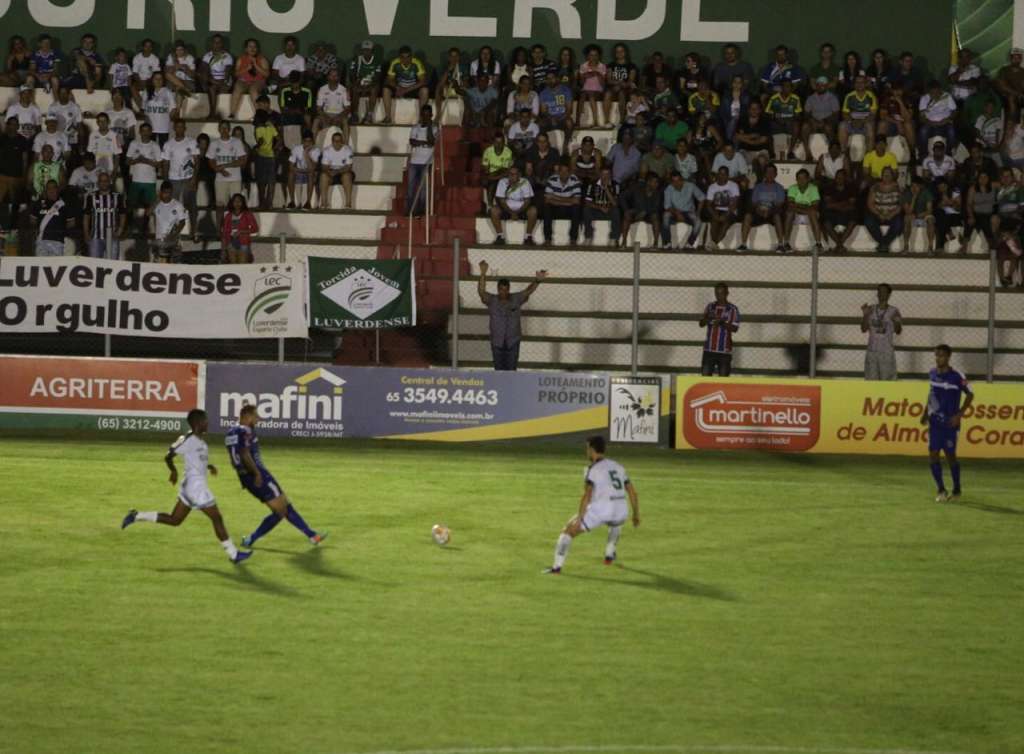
865, 270
762, 238
686, 358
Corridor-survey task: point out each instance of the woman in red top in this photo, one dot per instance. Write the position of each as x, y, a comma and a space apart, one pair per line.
237, 230
251, 73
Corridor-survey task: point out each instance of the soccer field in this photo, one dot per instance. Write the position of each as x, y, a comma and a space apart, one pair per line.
766, 605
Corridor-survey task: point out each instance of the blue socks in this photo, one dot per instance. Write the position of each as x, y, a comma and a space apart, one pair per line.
296, 520
937, 474
265, 527
954, 469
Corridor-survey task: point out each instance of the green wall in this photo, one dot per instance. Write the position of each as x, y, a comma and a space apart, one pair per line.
426, 24
986, 26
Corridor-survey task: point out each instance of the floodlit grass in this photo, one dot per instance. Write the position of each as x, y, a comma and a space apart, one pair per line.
767, 603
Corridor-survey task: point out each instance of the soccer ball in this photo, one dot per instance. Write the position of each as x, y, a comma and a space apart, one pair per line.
441, 534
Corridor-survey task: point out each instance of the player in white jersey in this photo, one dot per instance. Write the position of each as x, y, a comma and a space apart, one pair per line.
606, 490
194, 492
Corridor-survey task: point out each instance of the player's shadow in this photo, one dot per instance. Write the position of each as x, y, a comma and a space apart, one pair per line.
240, 576
311, 561
661, 583
989, 508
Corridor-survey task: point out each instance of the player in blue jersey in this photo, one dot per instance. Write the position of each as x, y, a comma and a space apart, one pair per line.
244, 451
194, 493
946, 387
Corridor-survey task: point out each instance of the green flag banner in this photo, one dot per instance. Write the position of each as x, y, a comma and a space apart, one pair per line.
361, 294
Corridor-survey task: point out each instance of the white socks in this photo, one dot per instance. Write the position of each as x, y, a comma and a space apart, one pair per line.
562, 549
613, 539
146, 516
229, 548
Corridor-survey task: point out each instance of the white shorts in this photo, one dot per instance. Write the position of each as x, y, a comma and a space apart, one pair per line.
603, 514
196, 495
224, 190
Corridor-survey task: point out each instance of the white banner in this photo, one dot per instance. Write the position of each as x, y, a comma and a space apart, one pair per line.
79, 294
634, 409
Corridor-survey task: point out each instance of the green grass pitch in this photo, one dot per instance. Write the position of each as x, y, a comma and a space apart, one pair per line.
767, 605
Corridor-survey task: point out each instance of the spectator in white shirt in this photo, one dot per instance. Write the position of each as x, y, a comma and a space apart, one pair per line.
333, 105
215, 72
107, 146
302, 167
144, 65
180, 165
180, 68
513, 200
733, 161
288, 61
422, 138
69, 119
964, 76
30, 118
227, 156
160, 107
336, 163
144, 157
55, 138
938, 164
938, 109
522, 134
167, 219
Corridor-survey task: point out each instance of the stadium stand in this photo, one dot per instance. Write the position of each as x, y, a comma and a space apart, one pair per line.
581, 318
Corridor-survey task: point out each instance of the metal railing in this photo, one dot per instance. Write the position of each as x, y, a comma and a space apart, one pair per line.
640, 312
430, 181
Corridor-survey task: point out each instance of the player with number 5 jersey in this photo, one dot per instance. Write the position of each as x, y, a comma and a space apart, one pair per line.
244, 452
609, 499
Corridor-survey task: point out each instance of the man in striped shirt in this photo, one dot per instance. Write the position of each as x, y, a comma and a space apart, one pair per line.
104, 217
721, 319
602, 203
563, 195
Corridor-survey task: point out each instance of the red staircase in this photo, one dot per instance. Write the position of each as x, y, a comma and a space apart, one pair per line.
456, 205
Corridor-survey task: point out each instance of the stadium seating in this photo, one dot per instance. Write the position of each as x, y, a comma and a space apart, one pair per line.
581, 318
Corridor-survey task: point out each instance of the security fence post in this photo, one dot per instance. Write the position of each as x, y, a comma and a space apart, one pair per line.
456, 273
281, 255
635, 351
813, 369
110, 255
990, 359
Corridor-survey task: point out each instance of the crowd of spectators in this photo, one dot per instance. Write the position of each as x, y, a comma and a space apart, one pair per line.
699, 144
68, 175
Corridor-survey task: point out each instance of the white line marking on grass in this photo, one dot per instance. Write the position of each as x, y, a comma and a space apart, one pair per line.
664, 749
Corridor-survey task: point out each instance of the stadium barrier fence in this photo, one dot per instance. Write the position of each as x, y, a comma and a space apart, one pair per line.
636, 311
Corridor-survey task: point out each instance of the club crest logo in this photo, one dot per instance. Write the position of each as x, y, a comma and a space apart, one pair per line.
362, 293
270, 293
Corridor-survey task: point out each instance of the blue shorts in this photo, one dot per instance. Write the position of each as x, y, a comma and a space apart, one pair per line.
266, 491
941, 436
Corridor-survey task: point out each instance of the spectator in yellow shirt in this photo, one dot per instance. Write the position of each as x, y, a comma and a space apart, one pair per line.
407, 78
877, 160
496, 161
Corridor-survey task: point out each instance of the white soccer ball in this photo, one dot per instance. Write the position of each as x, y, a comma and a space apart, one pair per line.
441, 534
